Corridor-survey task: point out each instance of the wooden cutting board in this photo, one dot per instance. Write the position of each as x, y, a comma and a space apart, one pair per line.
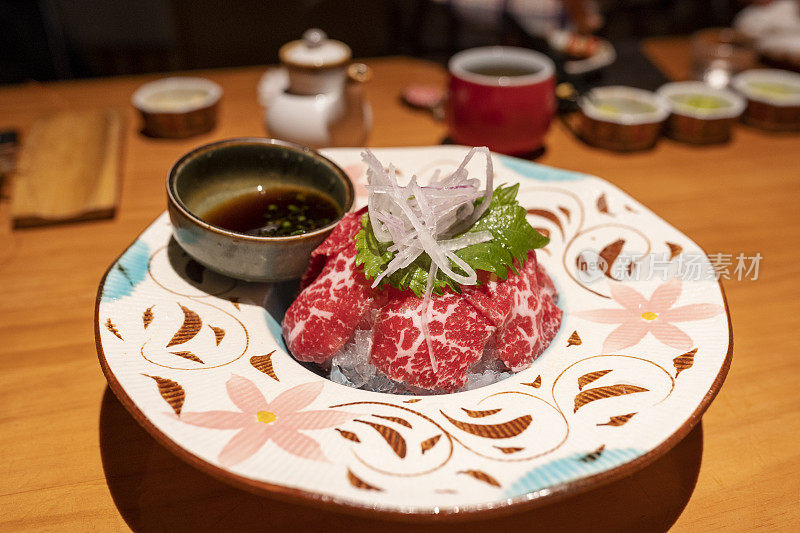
68, 168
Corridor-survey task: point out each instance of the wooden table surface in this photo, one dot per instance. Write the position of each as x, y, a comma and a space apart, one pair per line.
72, 458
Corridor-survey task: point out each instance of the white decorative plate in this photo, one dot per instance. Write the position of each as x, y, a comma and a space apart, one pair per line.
198, 360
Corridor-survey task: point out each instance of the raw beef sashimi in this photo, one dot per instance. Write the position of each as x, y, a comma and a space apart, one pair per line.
424, 341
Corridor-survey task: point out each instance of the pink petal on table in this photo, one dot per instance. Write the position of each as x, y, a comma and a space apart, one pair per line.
244, 444
300, 445
314, 419
606, 316
217, 419
689, 312
245, 395
627, 334
665, 296
627, 297
295, 398
670, 335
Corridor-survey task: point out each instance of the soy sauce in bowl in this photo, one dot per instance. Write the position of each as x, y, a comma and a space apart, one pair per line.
255, 209
275, 212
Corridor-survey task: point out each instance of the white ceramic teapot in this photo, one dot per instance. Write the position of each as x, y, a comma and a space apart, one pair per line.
316, 99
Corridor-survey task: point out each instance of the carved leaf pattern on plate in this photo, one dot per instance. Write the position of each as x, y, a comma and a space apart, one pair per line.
481, 476
609, 391
602, 204
190, 327
593, 456
171, 391
427, 444
391, 436
536, 383
609, 255
147, 316
505, 430
219, 333
349, 435
619, 420
396, 420
359, 483
263, 363
509, 449
188, 355
590, 377
480, 414
674, 250
549, 215
684, 362
574, 339
113, 329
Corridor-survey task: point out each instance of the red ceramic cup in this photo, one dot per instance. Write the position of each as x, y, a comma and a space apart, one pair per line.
501, 97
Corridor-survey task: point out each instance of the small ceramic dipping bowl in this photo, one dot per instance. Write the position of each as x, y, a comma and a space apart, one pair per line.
177, 107
773, 98
221, 172
700, 114
621, 118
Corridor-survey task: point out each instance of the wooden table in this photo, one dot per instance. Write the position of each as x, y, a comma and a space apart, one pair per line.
72, 458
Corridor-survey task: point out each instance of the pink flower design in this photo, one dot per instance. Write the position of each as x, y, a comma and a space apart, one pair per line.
356, 174
640, 316
259, 421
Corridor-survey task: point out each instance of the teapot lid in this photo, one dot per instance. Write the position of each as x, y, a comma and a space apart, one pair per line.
315, 51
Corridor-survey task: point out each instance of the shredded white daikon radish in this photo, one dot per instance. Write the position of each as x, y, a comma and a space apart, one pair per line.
424, 219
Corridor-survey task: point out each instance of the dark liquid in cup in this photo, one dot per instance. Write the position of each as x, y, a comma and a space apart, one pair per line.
501, 70
275, 212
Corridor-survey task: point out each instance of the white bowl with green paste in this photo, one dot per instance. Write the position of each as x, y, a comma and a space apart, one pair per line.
623, 105
699, 113
773, 98
622, 118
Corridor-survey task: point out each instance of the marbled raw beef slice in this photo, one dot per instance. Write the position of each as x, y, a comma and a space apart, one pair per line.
343, 235
327, 311
458, 336
533, 319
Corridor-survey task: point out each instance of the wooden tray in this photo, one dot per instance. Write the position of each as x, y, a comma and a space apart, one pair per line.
68, 168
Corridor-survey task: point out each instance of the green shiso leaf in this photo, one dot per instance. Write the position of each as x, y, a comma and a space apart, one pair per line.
512, 238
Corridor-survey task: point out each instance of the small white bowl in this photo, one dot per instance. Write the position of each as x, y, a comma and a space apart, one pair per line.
672, 92
622, 118
591, 105
177, 107
744, 82
771, 110
694, 124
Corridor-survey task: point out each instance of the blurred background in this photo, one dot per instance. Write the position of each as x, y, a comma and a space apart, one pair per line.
65, 39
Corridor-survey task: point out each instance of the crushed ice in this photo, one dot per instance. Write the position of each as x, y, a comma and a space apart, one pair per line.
350, 366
